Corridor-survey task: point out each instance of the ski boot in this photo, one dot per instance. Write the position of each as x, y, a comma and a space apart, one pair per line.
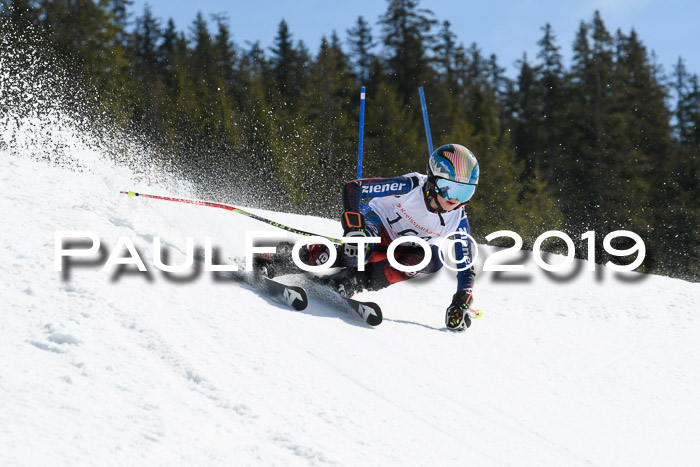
347, 282
263, 266
275, 264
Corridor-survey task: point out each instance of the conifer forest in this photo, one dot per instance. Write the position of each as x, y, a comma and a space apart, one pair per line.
609, 141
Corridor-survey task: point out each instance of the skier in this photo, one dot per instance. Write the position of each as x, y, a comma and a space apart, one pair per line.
426, 206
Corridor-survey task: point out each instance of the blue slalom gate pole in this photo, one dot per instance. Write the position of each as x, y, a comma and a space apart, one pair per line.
362, 132
425, 120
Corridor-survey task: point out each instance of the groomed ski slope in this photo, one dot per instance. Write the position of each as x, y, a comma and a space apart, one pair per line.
140, 369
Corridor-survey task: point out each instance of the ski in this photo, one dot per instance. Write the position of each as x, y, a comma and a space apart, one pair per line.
290, 295
296, 297
369, 312
293, 296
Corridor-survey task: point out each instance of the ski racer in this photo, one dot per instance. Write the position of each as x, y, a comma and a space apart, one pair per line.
427, 206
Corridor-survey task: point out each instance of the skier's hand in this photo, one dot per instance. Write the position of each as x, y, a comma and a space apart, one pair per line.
463, 298
457, 316
352, 249
352, 222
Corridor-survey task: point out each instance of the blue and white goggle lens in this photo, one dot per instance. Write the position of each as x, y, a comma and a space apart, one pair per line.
451, 190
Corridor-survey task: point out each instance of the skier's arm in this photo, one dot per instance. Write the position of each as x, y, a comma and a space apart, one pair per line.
463, 255
457, 316
357, 190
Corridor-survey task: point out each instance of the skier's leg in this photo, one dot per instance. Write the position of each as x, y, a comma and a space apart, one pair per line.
350, 280
380, 273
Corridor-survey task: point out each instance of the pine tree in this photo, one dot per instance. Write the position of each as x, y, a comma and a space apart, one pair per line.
684, 187
261, 146
166, 62
602, 64
445, 54
204, 62
442, 95
120, 15
361, 45
692, 137
84, 35
539, 210
145, 40
406, 32
146, 92
527, 133
638, 149
687, 111
289, 65
325, 141
583, 166
550, 78
394, 143
226, 51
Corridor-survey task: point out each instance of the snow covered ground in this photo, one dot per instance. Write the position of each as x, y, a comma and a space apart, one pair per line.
105, 368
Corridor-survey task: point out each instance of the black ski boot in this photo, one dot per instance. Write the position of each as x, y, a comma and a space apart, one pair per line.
347, 282
275, 264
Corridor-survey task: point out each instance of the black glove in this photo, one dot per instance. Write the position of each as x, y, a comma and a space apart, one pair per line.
353, 226
352, 222
457, 316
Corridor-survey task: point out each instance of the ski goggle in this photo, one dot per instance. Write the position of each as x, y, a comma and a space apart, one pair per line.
451, 190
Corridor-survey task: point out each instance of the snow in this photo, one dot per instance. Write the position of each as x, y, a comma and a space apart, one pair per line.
122, 367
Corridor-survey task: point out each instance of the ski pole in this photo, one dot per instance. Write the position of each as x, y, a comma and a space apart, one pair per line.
425, 120
131, 194
362, 132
